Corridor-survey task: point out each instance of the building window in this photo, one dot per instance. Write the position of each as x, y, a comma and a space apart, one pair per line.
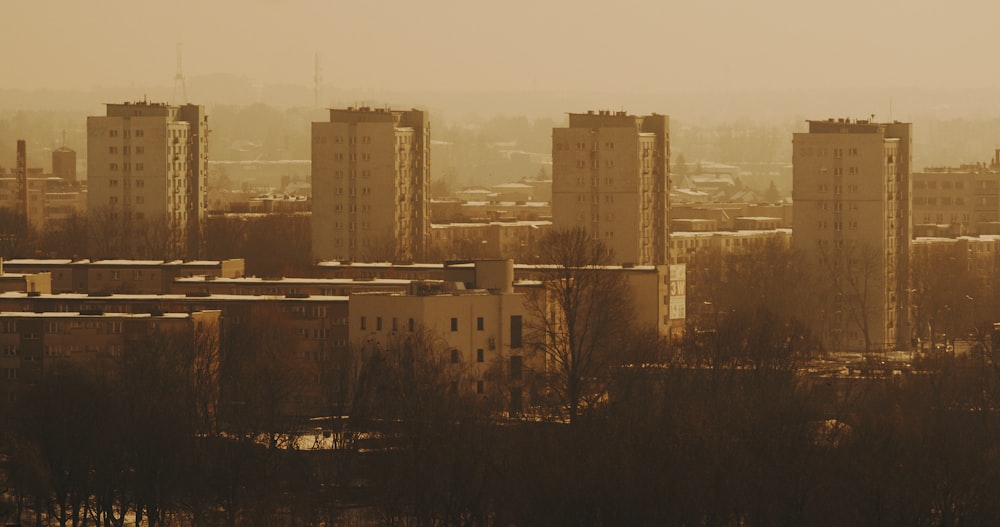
515, 331
378, 323
454, 324
454, 356
364, 324
516, 366
479, 323
480, 355
479, 386
409, 324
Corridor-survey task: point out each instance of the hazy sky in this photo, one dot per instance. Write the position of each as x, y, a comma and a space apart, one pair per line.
552, 45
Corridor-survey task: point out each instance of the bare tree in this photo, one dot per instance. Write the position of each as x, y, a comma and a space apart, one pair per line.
378, 248
579, 318
856, 282
947, 297
65, 238
17, 237
410, 376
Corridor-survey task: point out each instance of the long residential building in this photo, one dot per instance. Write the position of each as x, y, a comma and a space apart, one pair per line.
960, 200
123, 276
33, 344
658, 291
298, 342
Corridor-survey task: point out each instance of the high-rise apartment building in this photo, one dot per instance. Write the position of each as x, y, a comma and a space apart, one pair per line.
370, 177
611, 176
147, 166
852, 221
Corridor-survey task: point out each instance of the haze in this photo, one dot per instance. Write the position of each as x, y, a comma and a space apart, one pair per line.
647, 46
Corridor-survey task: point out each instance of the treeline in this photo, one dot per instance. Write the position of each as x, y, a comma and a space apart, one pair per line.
724, 430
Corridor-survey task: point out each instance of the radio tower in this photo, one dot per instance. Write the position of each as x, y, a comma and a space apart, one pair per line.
179, 78
317, 80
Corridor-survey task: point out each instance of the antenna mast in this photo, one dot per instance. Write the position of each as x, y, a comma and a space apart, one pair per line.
317, 80
179, 78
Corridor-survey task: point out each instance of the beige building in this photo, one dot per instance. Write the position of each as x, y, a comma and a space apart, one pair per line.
147, 166
684, 246
453, 210
966, 198
658, 291
730, 216
481, 328
497, 239
370, 177
611, 176
851, 189
34, 283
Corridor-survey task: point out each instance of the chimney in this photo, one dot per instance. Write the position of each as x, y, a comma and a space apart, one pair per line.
22, 180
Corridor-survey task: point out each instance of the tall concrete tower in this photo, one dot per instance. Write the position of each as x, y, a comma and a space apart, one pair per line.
611, 176
371, 177
147, 166
852, 194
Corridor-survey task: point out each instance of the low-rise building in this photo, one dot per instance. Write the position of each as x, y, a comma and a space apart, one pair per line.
498, 239
35, 343
299, 341
728, 216
50, 199
481, 328
124, 276
965, 198
210, 285
24, 282
684, 245
650, 284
